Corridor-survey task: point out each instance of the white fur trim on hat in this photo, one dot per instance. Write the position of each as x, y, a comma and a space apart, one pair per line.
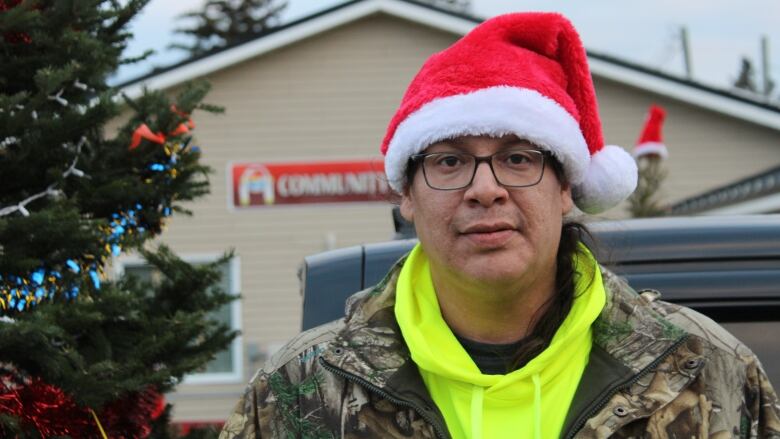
651, 148
494, 111
610, 179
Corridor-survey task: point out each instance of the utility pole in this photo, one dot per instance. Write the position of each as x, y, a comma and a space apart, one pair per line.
686, 52
768, 85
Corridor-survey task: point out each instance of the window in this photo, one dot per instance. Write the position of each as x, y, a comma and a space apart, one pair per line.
228, 365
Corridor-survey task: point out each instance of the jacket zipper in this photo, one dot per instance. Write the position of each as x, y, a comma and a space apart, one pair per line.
605, 399
385, 395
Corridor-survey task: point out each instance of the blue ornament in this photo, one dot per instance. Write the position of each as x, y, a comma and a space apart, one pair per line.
20, 305
119, 230
39, 293
95, 279
166, 211
116, 249
73, 266
37, 277
157, 167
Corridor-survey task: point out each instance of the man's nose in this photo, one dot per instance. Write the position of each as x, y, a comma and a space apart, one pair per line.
485, 188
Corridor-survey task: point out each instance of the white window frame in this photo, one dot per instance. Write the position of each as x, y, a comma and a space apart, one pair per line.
236, 346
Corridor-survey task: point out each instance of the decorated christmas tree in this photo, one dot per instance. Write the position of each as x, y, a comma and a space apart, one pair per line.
83, 354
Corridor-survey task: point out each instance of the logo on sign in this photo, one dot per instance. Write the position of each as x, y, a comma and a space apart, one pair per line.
254, 184
274, 184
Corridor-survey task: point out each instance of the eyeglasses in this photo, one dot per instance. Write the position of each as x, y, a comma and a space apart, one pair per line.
456, 170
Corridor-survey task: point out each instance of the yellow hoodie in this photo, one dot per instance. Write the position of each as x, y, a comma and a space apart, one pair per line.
530, 402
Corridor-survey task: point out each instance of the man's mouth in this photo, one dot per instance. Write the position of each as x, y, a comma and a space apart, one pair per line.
489, 235
488, 228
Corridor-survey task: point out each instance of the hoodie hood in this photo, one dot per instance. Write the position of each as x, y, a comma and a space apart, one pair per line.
529, 402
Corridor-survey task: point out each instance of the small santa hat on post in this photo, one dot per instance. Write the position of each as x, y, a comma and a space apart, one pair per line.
524, 74
651, 141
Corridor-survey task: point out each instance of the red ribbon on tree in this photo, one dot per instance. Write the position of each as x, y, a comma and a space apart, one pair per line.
184, 126
144, 132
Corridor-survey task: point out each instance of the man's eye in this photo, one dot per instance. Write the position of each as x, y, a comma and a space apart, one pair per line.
449, 161
519, 158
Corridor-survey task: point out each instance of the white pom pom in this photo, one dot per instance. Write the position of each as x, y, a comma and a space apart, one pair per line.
611, 177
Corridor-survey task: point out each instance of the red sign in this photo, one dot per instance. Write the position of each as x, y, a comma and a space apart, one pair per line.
268, 184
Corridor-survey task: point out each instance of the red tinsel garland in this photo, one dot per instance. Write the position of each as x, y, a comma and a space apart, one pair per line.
14, 37
8, 4
51, 412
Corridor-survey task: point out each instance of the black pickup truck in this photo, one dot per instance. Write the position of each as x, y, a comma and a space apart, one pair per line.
727, 268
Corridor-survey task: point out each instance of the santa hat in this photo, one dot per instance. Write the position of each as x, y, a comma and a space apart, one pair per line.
651, 141
524, 74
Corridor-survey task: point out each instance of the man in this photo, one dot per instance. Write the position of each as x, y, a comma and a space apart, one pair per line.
500, 324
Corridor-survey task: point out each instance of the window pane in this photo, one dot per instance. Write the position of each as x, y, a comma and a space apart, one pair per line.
223, 363
142, 272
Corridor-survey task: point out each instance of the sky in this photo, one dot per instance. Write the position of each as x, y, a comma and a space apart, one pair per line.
720, 32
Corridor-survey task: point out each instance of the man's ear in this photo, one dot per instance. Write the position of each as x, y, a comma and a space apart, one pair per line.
567, 203
407, 206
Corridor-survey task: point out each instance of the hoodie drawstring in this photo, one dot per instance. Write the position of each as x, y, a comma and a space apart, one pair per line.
477, 396
537, 406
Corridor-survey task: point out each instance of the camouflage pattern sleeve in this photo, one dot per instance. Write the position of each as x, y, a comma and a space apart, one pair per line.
764, 407
271, 406
242, 422
736, 397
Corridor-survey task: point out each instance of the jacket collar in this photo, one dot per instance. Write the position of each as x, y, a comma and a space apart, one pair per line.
635, 351
370, 345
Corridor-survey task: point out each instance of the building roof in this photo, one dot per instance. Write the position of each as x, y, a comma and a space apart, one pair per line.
759, 193
603, 66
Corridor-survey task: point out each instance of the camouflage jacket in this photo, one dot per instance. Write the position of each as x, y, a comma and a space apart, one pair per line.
656, 370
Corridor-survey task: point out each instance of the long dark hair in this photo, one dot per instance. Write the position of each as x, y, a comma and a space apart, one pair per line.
545, 324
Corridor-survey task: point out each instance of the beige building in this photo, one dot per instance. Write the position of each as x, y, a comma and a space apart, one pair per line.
323, 88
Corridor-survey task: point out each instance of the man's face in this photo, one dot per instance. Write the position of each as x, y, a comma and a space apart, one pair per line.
487, 233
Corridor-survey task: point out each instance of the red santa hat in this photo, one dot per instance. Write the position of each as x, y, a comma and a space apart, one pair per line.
524, 74
651, 140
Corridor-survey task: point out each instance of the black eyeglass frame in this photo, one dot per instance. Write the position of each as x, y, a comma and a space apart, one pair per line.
420, 158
